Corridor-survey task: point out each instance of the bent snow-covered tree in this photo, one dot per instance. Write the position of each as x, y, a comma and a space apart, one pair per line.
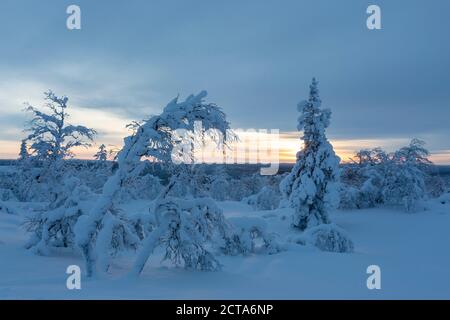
153, 138
311, 186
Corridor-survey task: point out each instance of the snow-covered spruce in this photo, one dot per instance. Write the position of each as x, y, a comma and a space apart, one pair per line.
311, 186
23, 154
102, 154
153, 139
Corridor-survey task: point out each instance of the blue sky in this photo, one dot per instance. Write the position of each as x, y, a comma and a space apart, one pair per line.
255, 58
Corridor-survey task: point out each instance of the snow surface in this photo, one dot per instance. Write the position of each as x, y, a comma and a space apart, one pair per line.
411, 249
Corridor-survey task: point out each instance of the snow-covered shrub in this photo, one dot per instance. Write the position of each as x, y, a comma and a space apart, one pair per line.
250, 235
444, 198
184, 229
7, 195
329, 237
31, 183
245, 186
187, 182
435, 186
267, 199
349, 197
54, 226
404, 186
117, 233
311, 187
219, 189
396, 179
146, 187
93, 173
143, 224
193, 231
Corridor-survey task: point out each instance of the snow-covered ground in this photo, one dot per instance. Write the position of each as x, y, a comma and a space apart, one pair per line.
411, 249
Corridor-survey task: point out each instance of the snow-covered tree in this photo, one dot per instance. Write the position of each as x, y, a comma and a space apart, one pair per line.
406, 173
102, 154
50, 136
23, 154
311, 187
153, 139
51, 140
376, 177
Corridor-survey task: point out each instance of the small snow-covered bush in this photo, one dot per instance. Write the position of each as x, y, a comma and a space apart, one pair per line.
184, 228
143, 224
400, 178
349, 197
219, 189
193, 231
7, 195
435, 186
329, 237
266, 199
444, 198
32, 182
146, 187
250, 235
54, 226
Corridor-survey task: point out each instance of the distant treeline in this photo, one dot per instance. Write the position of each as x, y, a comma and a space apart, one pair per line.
238, 169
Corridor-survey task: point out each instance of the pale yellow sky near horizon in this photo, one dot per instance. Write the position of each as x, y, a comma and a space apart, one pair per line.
111, 131
288, 144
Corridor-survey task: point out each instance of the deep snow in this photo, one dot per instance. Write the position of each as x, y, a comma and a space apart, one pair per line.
411, 249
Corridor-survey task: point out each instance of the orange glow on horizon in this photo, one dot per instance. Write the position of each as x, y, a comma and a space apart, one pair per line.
288, 144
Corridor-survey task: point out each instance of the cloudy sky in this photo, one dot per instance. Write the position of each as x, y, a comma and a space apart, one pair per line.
255, 59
